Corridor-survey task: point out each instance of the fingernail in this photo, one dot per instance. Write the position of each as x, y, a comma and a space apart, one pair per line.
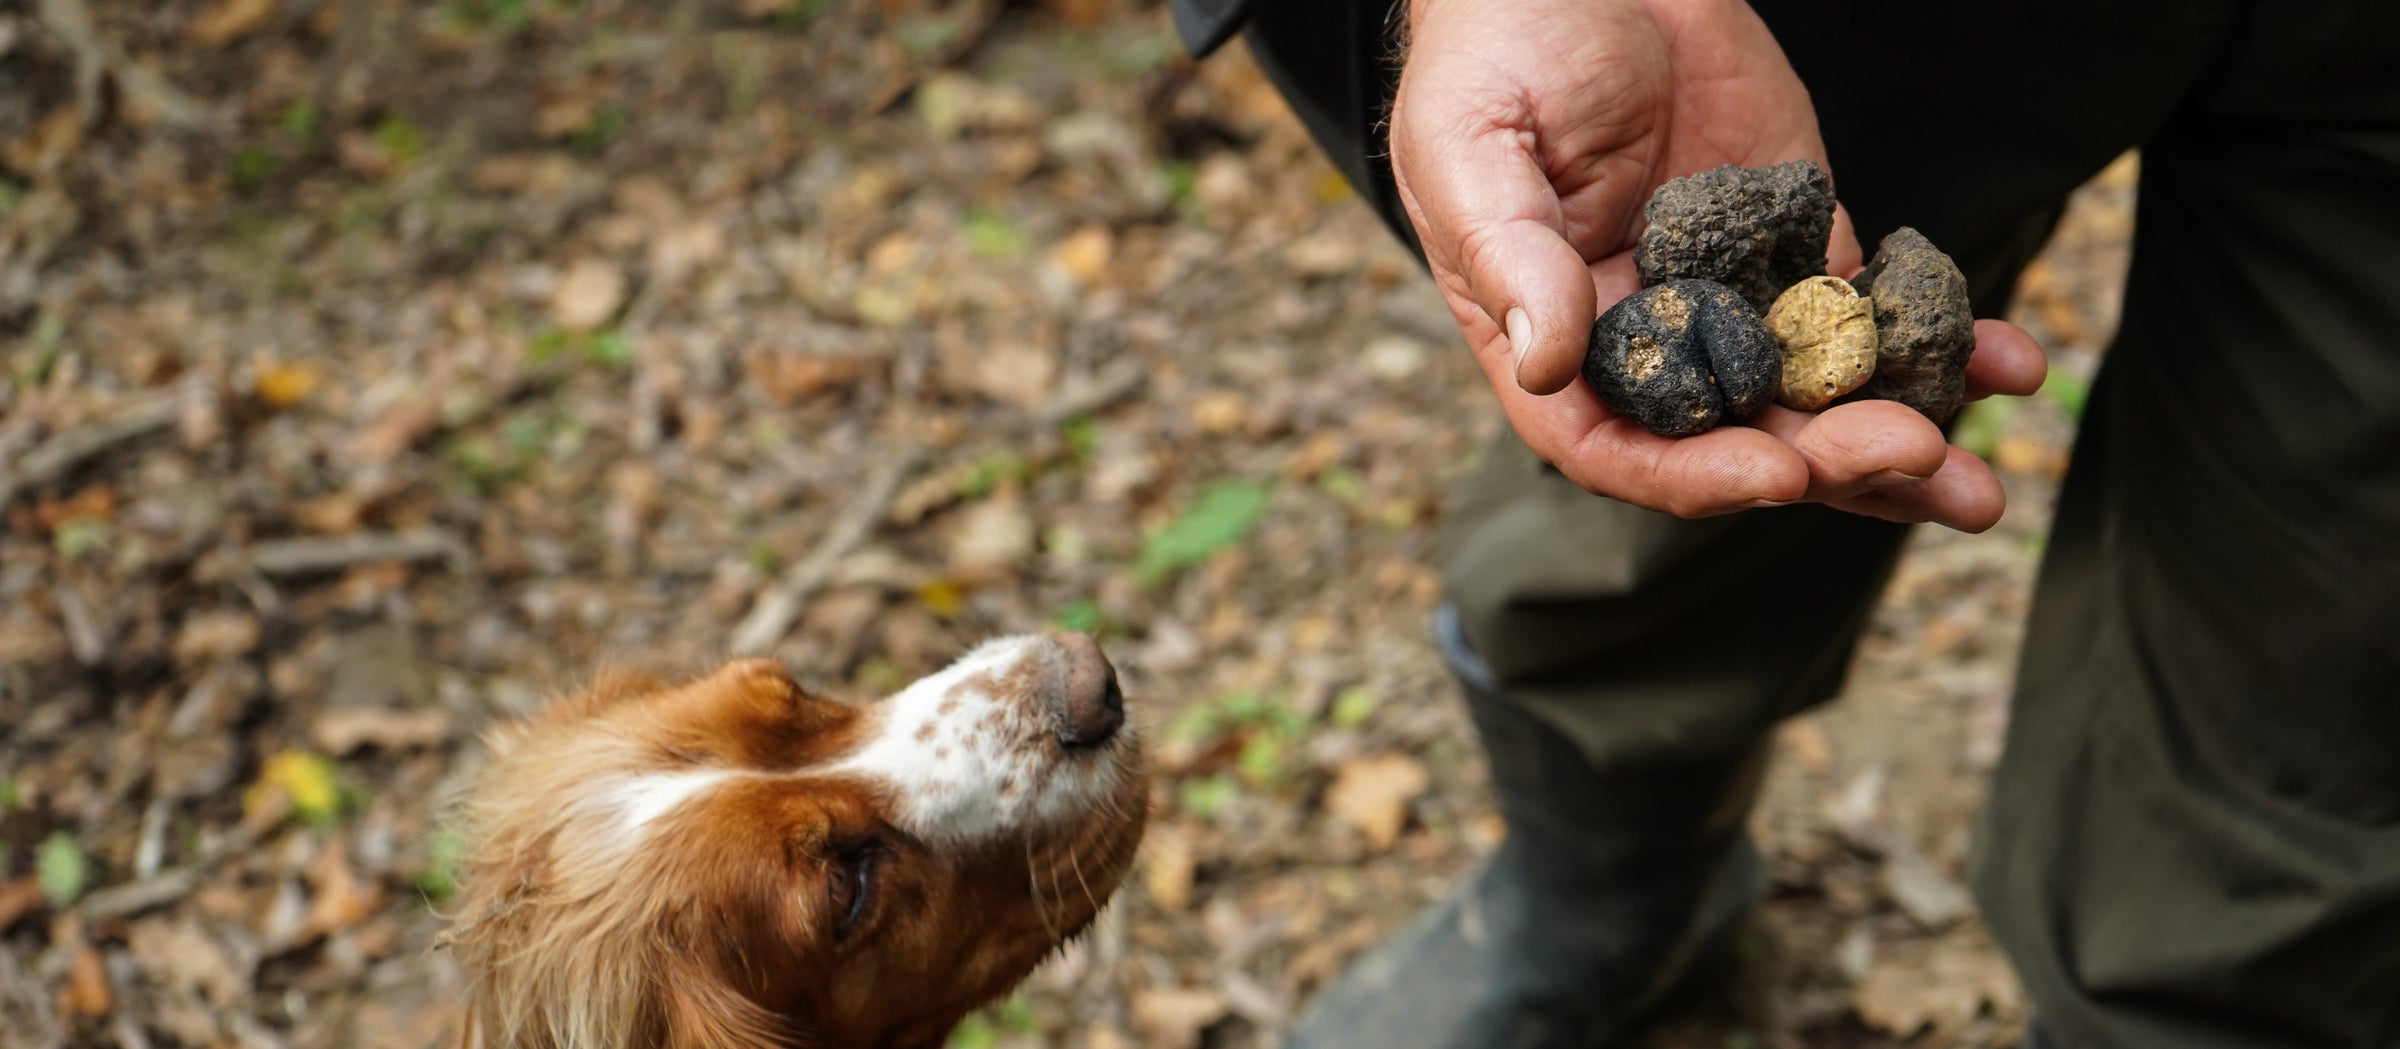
1520, 333
1768, 504
1881, 478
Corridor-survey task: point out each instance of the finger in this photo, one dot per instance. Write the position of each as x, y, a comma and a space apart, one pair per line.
1963, 495
1854, 447
2006, 361
1527, 275
1720, 471
1843, 258
1491, 224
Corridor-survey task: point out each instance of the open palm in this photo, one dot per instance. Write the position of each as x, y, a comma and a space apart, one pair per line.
1525, 139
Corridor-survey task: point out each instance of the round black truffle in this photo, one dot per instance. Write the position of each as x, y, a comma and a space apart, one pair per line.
1681, 357
1755, 230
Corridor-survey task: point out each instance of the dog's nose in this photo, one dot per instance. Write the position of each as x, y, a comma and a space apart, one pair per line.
1085, 705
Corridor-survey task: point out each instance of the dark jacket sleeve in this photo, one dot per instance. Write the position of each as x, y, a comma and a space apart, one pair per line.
1207, 24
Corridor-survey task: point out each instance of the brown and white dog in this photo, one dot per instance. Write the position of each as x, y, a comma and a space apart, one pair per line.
733, 862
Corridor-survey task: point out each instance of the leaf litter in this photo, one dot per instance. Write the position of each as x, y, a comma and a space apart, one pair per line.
483, 342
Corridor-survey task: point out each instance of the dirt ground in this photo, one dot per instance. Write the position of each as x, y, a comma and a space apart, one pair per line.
374, 370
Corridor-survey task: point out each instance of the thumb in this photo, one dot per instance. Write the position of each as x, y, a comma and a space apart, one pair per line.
1488, 216
1536, 284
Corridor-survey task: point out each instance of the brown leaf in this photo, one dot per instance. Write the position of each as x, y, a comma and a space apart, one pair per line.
1173, 1017
48, 144
180, 954
86, 992
341, 730
94, 503
216, 634
1220, 412
790, 378
1020, 374
228, 21
336, 513
341, 898
1085, 254
588, 295
1168, 869
994, 536
1807, 744
1943, 985
1372, 794
18, 898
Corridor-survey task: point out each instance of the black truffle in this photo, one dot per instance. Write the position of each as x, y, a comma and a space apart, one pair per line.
1755, 230
1681, 357
1924, 326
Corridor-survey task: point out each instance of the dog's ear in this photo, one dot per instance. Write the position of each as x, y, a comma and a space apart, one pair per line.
700, 1012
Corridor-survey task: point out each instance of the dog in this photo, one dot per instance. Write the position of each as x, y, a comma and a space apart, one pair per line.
732, 862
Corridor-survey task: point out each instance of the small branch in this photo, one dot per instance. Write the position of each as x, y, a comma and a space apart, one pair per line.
134, 897
96, 57
71, 449
314, 554
1113, 382
776, 609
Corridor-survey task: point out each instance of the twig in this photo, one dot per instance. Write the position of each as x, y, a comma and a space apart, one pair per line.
96, 57
779, 606
313, 554
70, 449
134, 897
1113, 382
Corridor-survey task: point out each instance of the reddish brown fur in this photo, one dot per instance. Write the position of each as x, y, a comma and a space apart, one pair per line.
715, 932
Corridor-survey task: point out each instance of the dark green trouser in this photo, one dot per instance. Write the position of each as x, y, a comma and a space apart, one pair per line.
2194, 836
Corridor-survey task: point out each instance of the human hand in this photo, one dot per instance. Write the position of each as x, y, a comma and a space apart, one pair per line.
1526, 136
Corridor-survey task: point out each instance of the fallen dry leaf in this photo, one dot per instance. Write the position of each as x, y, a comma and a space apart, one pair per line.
281, 386
93, 503
1174, 1017
1372, 794
1807, 744
1168, 867
1017, 374
18, 898
588, 295
48, 144
226, 22
1220, 412
179, 953
340, 898
1085, 254
993, 536
1943, 985
85, 992
341, 730
214, 635
790, 378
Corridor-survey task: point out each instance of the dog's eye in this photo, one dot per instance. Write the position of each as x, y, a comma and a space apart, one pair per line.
851, 885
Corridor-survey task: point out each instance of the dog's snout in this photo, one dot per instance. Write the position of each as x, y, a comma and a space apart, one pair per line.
1085, 704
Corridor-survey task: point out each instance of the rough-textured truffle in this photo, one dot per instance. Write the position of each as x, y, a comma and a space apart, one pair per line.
1924, 326
1755, 230
1827, 332
1681, 357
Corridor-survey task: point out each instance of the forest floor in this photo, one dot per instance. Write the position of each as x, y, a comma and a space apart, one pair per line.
373, 371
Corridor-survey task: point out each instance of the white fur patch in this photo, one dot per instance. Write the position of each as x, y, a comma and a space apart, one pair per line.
987, 763
639, 799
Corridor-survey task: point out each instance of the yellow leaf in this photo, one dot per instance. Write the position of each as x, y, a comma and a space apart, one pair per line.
941, 597
306, 779
1331, 188
282, 386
